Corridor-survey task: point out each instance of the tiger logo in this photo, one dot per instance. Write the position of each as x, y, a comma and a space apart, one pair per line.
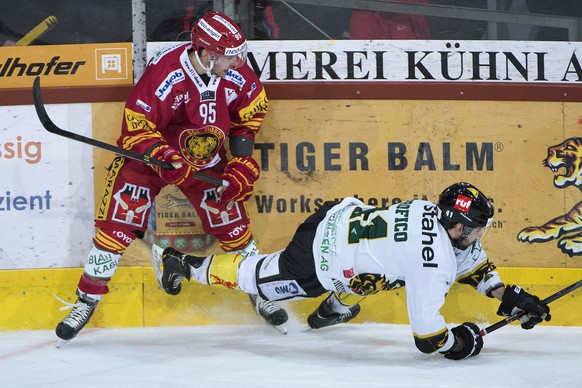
201, 146
173, 201
370, 283
565, 161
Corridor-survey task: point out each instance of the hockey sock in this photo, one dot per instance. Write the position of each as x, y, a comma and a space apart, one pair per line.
218, 270
99, 269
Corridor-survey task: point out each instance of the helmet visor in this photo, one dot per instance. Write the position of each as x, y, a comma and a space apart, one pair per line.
236, 56
479, 233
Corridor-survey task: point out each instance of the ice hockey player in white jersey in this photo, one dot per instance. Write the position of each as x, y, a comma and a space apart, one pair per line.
350, 251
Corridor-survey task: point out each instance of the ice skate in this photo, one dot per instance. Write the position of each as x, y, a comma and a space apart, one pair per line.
325, 315
271, 312
175, 268
81, 313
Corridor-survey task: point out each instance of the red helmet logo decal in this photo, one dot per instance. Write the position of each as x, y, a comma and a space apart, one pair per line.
463, 203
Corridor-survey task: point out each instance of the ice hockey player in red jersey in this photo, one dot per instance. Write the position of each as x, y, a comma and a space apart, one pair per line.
350, 250
193, 101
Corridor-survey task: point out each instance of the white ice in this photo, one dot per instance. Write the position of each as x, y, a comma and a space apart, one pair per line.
349, 355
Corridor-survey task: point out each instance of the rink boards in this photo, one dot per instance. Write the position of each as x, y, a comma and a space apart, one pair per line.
135, 300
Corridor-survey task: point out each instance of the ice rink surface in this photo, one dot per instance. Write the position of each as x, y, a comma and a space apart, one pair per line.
349, 355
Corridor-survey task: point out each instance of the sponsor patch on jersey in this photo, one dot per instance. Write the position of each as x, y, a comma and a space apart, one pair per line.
143, 105
160, 54
236, 77
348, 273
166, 86
131, 205
253, 87
231, 95
259, 104
180, 99
137, 121
463, 203
208, 95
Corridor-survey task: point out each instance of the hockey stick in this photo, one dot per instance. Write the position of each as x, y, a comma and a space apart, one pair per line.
48, 124
42, 28
518, 315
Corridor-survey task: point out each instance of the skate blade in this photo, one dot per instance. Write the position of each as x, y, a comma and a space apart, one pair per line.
61, 342
156, 258
306, 328
281, 329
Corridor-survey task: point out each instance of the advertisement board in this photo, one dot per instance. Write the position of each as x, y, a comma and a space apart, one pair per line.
413, 61
387, 151
310, 151
46, 189
66, 65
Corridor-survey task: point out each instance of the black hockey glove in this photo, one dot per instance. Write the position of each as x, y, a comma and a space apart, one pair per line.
472, 342
515, 299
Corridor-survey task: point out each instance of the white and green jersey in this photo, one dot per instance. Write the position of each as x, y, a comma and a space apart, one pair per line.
363, 249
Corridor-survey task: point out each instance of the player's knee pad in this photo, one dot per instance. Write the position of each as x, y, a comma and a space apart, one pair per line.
271, 282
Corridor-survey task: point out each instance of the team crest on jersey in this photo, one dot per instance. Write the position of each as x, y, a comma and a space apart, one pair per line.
368, 283
217, 214
131, 205
199, 146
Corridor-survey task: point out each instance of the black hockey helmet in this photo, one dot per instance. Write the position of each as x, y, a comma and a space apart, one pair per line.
464, 203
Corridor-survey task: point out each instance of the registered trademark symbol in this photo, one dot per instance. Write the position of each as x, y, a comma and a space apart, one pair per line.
498, 147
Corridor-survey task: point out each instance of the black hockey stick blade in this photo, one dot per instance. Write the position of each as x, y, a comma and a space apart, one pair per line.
48, 124
518, 315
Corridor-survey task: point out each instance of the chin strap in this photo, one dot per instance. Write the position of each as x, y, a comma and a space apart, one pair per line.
207, 68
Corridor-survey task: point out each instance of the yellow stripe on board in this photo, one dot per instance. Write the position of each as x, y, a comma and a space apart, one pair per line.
135, 300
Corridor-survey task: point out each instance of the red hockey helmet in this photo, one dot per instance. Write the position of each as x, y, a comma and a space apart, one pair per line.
220, 35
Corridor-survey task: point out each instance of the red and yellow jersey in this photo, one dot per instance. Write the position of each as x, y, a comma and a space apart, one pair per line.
171, 104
